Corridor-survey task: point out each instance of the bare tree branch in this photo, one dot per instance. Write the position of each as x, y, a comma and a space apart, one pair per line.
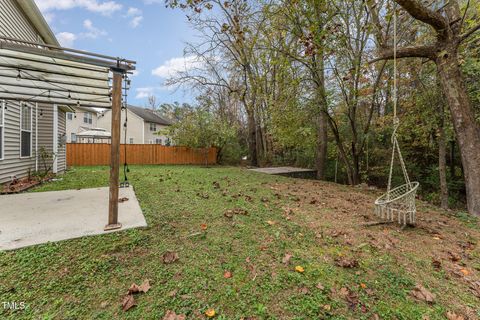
419, 12
469, 33
427, 52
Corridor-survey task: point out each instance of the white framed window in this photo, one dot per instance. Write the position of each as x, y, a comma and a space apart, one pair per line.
131, 140
87, 117
2, 130
25, 130
158, 141
69, 115
153, 126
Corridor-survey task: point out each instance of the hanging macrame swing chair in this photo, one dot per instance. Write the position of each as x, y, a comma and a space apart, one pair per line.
397, 204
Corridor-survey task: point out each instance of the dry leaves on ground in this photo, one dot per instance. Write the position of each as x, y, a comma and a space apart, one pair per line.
227, 275
128, 302
453, 316
422, 294
286, 258
345, 262
171, 315
231, 212
170, 257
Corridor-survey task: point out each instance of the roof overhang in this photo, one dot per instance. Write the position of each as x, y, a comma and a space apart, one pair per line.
36, 18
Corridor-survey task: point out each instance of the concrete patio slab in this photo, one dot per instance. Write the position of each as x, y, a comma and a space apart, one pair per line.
34, 218
287, 171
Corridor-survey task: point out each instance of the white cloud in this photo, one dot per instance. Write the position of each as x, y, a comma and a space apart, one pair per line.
144, 92
135, 15
92, 31
135, 22
135, 73
134, 12
66, 39
175, 65
49, 17
102, 7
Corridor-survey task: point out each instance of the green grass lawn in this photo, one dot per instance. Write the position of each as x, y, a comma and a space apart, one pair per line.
87, 278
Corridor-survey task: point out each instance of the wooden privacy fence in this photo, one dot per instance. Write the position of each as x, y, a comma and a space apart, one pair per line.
92, 154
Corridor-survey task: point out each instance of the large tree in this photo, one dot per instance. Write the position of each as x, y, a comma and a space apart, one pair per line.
448, 25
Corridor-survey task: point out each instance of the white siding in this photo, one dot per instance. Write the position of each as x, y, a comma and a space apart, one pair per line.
13, 164
14, 24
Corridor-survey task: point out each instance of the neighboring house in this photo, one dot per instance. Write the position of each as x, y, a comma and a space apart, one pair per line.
144, 126
27, 127
80, 120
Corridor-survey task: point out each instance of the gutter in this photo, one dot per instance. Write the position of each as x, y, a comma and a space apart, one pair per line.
36, 18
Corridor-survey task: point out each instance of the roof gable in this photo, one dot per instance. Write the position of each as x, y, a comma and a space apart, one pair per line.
149, 116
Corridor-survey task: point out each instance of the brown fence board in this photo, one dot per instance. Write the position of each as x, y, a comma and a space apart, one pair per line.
93, 154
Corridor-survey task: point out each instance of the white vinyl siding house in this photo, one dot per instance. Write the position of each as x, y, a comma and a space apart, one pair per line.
143, 126
25, 127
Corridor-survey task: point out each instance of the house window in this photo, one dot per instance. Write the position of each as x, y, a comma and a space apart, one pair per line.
69, 115
87, 117
158, 141
2, 124
26, 131
168, 142
153, 126
74, 137
131, 140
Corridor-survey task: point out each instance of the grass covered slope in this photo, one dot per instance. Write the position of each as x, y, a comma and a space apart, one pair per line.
239, 236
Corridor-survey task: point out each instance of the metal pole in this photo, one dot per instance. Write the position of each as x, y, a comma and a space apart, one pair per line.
115, 152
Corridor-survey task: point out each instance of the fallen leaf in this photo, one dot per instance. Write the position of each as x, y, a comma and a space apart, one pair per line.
173, 293
345, 262
170, 257
422, 294
270, 222
465, 272
299, 269
343, 291
453, 256
320, 286
227, 274
145, 286
363, 285
286, 258
203, 226
170, 315
121, 200
128, 302
210, 313
436, 264
303, 290
134, 288
216, 185
327, 307
453, 316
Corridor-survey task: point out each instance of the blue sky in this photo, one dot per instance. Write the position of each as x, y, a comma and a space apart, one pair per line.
141, 30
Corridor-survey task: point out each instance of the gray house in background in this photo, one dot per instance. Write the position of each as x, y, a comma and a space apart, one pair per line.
25, 127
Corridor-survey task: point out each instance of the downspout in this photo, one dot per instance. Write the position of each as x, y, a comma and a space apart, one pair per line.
55, 139
36, 136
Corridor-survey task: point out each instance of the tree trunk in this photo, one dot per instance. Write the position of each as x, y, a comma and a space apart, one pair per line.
442, 163
322, 145
466, 129
252, 138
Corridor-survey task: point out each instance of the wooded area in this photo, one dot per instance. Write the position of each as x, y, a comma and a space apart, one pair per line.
97, 154
309, 83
